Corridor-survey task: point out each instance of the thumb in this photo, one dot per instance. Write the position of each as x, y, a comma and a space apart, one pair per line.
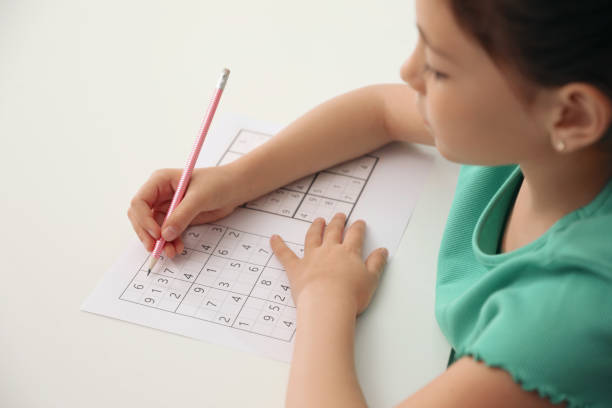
376, 261
180, 218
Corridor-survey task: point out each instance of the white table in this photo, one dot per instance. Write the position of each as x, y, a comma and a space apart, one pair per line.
91, 94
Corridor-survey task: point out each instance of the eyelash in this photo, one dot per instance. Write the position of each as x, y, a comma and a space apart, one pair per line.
437, 74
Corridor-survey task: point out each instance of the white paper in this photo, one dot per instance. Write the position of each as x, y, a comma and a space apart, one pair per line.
227, 287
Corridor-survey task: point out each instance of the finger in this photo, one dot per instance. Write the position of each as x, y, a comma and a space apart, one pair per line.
156, 189
170, 250
141, 214
144, 237
314, 235
181, 217
333, 232
285, 255
376, 261
353, 239
179, 245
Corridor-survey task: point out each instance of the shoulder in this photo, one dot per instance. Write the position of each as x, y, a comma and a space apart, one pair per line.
469, 383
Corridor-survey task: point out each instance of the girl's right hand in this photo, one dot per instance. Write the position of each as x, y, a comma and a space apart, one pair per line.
211, 195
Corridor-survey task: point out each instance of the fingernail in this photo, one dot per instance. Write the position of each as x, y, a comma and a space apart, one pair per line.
170, 233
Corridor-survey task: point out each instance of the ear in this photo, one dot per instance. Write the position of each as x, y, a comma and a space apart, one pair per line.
582, 114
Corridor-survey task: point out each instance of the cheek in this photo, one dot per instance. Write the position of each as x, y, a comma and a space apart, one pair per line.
475, 127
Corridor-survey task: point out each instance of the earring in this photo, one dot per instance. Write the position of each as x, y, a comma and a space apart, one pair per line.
560, 145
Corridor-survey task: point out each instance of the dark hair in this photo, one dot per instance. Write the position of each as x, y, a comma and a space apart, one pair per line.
549, 42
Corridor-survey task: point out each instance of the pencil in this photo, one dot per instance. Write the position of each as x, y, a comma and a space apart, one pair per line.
191, 161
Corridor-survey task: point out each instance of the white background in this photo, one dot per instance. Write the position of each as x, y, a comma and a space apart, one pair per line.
96, 95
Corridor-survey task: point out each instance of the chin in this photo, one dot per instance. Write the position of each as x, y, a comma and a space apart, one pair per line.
454, 156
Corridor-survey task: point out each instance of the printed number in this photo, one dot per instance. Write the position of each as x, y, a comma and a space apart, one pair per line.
223, 251
235, 264
288, 324
253, 269
234, 234
155, 290
198, 289
275, 308
139, 286
174, 295
266, 282
208, 303
263, 250
224, 284
193, 234
210, 270
282, 298
241, 323
247, 247
236, 298
188, 276
206, 247
168, 270
268, 318
184, 252
162, 280
149, 300
285, 287
225, 319
218, 229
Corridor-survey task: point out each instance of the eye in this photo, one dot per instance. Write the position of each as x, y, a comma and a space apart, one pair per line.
437, 74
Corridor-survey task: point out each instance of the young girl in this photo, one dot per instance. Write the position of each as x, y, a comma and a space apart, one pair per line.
521, 92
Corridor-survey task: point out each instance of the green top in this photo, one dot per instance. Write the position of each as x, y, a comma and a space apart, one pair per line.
542, 312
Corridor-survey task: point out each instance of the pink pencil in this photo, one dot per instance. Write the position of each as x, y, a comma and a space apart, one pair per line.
193, 157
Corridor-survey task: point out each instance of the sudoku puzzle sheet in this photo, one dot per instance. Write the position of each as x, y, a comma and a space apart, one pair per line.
227, 287
230, 277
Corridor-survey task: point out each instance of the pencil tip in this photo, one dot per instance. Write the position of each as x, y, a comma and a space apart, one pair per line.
149, 272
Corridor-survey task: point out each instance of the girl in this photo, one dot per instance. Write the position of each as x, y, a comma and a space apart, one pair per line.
521, 92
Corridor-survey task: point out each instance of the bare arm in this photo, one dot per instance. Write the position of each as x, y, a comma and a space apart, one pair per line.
331, 285
345, 127
323, 372
340, 129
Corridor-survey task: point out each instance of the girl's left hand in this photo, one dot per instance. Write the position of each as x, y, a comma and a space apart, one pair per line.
332, 268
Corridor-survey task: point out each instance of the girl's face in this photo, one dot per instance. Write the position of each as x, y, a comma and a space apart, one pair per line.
470, 106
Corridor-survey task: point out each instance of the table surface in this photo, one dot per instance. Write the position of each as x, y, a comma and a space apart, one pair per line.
91, 94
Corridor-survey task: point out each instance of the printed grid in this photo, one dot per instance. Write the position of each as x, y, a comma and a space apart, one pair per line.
319, 195
224, 276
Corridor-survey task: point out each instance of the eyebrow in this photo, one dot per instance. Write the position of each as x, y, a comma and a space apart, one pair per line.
433, 48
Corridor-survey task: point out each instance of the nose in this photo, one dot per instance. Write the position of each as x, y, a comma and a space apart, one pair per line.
411, 71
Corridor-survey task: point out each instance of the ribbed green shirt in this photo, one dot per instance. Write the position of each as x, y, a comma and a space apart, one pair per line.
542, 312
